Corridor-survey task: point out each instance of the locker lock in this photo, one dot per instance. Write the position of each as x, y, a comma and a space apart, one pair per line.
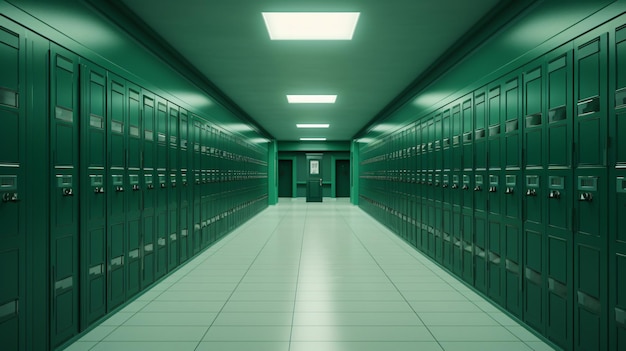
437, 184
465, 187
185, 183
162, 185
455, 186
98, 190
554, 194
119, 188
477, 188
10, 197
509, 191
585, 197
173, 184
531, 192
198, 181
150, 186
445, 185
135, 187
68, 192
492, 189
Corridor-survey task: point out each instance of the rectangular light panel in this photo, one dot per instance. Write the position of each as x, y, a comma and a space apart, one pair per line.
312, 125
311, 99
311, 25
312, 139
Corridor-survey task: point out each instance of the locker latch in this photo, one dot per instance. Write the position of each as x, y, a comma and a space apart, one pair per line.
10, 197
173, 184
119, 188
585, 197
509, 191
162, 185
436, 184
531, 192
445, 185
135, 187
465, 187
554, 194
98, 190
492, 189
455, 186
150, 186
68, 192
477, 188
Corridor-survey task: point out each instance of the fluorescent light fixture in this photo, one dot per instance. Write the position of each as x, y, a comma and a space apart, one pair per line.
311, 99
312, 139
311, 25
312, 125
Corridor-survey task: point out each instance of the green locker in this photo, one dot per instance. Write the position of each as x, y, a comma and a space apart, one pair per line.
513, 195
437, 204
161, 214
93, 157
134, 224
150, 189
173, 187
428, 205
117, 124
414, 168
480, 182
419, 185
186, 201
64, 186
12, 188
466, 179
446, 218
559, 245
198, 156
617, 222
456, 165
590, 230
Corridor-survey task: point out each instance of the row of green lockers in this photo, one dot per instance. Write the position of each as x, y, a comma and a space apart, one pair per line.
519, 189
136, 186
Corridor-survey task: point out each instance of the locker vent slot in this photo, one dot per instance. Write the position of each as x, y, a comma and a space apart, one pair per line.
557, 288
494, 130
117, 127
589, 106
456, 140
590, 303
96, 121
620, 316
9, 309
64, 284
183, 233
494, 258
64, 114
133, 254
148, 248
512, 126
557, 114
467, 137
512, 267
533, 276
96, 270
173, 237
117, 261
161, 137
8, 97
148, 135
161, 242
134, 131
480, 133
8, 182
533, 120
621, 185
620, 98
478, 251
446, 142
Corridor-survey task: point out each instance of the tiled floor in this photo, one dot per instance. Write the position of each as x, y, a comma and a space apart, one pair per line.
310, 276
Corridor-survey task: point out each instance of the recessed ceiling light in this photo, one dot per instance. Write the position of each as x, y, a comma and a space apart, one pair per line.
312, 125
311, 99
311, 25
312, 139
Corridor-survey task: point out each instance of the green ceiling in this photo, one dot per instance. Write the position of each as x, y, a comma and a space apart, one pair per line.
394, 43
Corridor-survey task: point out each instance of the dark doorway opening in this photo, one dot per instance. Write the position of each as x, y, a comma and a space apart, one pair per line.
285, 178
342, 178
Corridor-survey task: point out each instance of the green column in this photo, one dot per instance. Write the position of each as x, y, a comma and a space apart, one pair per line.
354, 162
272, 172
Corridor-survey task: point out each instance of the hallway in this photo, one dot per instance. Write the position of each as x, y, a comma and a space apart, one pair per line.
310, 276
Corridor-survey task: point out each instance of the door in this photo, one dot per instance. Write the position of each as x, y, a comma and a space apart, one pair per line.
285, 178
342, 178
314, 183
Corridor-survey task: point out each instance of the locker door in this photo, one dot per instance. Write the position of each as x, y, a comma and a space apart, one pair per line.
150, 190
93, 194
559, 185
480, 192
494, 194
513, 194
162, 228
12, 190
446, 218
198, 158
467, 118
134, 196
535, 197
429, 205
173, 192
590, 233
456, 165
617, 239
419, 186
186, 226
64, 215
116, 201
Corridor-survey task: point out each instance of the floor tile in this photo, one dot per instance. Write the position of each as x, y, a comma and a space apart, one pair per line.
361, 333
81, 346
248, 333
171, 319
243, 346
355, 319
157, 333
366, 346
184, 306
98, 333
259, 306
145, 346
118, 318
250, 319
472, 333
484, 346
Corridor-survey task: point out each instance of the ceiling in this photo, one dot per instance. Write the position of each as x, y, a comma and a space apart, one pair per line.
394, 43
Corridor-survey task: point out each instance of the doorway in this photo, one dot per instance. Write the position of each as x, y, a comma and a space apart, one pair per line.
285, 178
342, 178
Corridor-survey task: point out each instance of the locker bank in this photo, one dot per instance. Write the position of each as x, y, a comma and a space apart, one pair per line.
484, 140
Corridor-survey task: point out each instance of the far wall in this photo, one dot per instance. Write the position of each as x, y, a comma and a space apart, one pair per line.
301, 169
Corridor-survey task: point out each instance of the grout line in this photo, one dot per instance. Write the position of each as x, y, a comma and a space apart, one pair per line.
295, 297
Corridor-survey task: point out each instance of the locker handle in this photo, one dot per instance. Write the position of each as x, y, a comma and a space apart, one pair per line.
10, 197
119, 189
509, 191
150, 186
531, 192
465, 187
445, 185
68, 192
98, 190
455, 186
585, 197
554, 194
135, 187
162, 185
493, 189
478, 188
437, 184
